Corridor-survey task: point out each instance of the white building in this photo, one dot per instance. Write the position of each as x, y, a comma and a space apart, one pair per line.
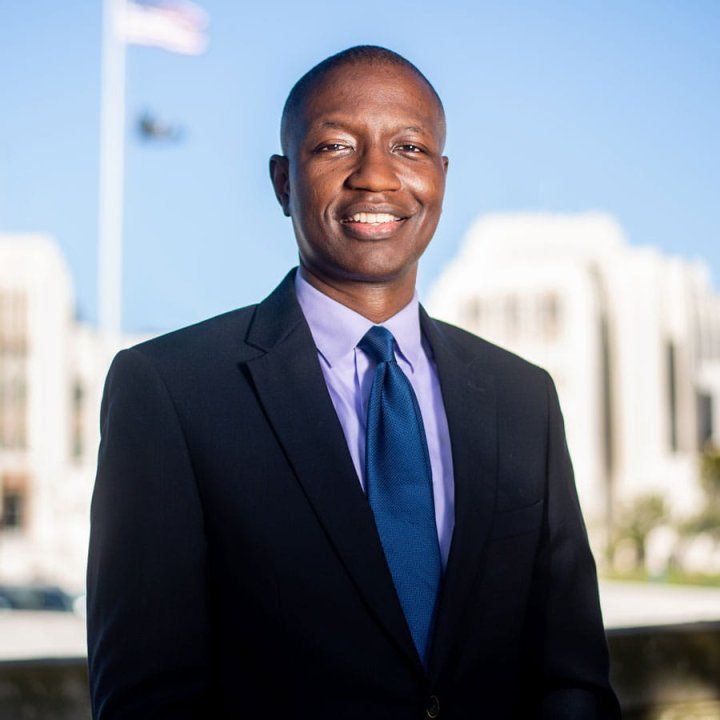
631, 337
51, 373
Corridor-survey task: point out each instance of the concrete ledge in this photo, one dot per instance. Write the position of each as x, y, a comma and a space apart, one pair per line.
32, 634
636, 604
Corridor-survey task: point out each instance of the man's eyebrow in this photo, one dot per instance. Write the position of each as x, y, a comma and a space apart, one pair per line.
332, 124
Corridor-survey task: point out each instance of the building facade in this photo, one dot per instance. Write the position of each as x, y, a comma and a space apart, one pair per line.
630, 336
52, 369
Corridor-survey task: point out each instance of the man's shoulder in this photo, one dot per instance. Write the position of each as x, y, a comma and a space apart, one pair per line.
207, 340
503, 364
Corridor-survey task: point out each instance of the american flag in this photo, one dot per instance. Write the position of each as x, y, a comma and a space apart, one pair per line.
175, 25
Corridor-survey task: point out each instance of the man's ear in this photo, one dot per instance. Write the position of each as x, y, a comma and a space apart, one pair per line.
280, 177
445, 162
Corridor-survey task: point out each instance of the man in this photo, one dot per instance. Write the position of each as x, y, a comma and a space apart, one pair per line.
330, 505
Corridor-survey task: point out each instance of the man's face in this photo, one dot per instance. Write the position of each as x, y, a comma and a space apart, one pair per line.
365, 176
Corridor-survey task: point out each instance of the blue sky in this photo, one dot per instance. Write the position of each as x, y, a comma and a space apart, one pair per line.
558, 106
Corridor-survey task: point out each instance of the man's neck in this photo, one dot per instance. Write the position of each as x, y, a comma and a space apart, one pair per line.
375, 301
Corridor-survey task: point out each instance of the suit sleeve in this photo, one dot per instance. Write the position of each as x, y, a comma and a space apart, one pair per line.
146, 581
565, 630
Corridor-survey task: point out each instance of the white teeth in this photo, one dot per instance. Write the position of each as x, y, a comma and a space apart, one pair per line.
373, 218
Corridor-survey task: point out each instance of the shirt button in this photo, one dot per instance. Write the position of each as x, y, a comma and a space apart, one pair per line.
432, 710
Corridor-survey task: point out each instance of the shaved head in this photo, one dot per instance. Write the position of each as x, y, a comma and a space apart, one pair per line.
373, 55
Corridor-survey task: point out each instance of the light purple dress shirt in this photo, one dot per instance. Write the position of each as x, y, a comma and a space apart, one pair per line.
349, 374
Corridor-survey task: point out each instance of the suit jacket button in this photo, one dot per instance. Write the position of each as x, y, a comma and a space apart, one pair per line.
432, 710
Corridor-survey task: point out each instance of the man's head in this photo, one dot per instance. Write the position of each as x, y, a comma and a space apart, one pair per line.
362, 175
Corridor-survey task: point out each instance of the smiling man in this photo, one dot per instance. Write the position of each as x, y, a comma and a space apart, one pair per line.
330, 505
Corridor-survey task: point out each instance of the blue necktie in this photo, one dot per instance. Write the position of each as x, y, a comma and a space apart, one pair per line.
399, 487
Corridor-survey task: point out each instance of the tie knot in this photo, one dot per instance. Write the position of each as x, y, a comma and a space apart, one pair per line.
377, 343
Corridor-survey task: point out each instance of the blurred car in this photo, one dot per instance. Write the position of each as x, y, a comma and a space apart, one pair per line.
35, 597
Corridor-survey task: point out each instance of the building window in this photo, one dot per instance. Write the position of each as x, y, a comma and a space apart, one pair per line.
13, 510
606, 399
78, 408
705, 419
13, 370
672, 391
473, 313
549, 309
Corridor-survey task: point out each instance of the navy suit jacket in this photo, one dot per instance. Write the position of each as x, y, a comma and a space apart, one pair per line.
235, 570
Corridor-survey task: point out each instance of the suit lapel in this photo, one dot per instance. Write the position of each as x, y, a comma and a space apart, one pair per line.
290, 385
469, 398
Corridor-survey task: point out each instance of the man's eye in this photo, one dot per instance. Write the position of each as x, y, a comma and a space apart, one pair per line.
409, 147
331, 147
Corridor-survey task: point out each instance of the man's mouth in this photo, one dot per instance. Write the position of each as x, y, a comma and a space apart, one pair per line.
372, 226
371, 218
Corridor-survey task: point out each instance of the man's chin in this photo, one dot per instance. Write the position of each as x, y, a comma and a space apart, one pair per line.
380, 273
360, 272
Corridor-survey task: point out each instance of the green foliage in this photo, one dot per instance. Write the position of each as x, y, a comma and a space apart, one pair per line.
710, 476
637, 520
707, 520
674, 576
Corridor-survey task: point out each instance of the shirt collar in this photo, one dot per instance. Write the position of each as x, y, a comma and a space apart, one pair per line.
336, 329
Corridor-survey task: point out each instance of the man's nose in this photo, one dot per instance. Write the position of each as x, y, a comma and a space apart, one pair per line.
374, 172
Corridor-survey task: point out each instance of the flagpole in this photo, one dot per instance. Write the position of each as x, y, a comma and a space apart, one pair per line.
112, 172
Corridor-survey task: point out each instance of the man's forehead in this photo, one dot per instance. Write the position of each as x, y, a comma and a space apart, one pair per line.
347, 95
342, 124
384, 79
